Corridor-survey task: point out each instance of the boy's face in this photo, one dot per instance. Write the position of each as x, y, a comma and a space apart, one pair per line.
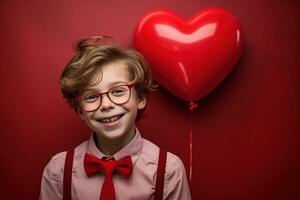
113, 74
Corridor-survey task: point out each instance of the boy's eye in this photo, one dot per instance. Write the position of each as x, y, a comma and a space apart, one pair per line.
118, 91
90, 98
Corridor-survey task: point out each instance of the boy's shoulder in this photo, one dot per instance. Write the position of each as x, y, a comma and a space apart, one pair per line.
150, 151
55, 166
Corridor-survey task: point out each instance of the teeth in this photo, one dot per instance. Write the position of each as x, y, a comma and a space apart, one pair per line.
111, 119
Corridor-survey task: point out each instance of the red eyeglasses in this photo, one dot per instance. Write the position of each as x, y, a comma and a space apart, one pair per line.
91, 101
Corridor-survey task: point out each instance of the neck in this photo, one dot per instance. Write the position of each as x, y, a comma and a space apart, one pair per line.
111, 146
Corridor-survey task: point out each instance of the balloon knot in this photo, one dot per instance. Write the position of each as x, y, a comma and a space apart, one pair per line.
193, 105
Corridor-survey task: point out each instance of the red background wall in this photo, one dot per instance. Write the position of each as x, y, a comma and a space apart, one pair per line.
246, 132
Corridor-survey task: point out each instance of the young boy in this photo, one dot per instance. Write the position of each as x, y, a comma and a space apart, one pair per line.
108, 87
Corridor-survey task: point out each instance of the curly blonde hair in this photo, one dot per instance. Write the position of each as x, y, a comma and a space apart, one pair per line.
91, 54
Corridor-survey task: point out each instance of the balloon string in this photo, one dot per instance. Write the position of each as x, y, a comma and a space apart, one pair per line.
191, 150
192, 106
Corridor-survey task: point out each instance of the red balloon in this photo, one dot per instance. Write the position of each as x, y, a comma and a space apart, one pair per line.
189, 57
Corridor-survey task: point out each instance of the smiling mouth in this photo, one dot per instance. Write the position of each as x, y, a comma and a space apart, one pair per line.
110, 119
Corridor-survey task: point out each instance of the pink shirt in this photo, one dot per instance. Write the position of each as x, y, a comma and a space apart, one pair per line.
140, 185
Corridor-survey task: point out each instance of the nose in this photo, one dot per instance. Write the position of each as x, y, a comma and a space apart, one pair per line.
106, 103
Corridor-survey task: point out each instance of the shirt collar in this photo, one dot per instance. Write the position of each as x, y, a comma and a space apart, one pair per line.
132, 149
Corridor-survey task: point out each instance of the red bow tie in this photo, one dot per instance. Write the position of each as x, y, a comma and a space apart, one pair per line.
93, 165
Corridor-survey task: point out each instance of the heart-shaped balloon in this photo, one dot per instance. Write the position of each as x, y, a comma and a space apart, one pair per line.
189, 57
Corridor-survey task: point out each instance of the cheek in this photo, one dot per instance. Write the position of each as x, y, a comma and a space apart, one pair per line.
132, 108
132, 116
86, 117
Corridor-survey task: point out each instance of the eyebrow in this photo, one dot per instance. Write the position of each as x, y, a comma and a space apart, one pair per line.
109, 85
117, 82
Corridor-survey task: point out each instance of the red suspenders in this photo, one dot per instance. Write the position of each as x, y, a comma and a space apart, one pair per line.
160, 178
68, 175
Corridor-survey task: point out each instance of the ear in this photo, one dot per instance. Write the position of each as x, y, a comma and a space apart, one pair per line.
142, 101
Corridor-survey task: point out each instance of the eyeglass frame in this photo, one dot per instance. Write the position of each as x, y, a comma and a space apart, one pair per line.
78, 98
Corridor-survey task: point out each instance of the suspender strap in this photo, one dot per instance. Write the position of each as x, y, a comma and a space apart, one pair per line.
68, 175
160, 177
